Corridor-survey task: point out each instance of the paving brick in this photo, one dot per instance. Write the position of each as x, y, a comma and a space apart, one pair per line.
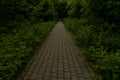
33, 75
82, 79
54, 75
53, 79
67, 75
58, 59
46, 78
75, 78
60, 79
73, 73
48, 74
60, 72
40, 77
60, 76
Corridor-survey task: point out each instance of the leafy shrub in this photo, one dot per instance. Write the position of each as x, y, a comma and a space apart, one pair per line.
17, 47
110, 65
101, 46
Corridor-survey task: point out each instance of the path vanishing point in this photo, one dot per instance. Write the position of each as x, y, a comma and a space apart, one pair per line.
58, 59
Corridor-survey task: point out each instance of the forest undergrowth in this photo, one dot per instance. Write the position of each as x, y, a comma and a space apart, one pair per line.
101, 48
17, 47
24, 24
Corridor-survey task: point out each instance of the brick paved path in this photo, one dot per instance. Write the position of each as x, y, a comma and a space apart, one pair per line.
58, 59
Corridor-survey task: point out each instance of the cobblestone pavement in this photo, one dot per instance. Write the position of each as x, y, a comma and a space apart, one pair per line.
58, 59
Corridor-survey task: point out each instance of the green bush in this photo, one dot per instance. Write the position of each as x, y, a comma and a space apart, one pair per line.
101, 47
17, 47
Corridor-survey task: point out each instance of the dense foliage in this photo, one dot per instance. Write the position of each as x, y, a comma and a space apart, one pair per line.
94, 24
97, 32
21, 30
101, 49
18, 11
17, 47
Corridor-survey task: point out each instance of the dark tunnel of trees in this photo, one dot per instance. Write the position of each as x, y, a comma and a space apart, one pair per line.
95, 24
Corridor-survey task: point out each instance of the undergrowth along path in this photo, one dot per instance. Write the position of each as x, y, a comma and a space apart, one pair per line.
58, 59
